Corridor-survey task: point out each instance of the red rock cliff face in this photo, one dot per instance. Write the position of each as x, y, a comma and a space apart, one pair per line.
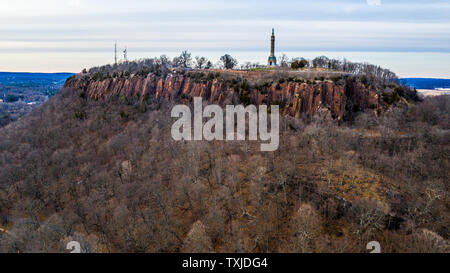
295, 98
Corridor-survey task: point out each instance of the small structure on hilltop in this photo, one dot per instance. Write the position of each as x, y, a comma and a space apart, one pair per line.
272, 58
125, 58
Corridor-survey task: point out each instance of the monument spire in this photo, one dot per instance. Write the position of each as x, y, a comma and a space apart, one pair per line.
272, 58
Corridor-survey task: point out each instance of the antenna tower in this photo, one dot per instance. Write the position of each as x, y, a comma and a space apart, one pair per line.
115, 54
125, 55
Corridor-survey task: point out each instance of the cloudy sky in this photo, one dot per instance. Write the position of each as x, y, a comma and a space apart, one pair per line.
411, 37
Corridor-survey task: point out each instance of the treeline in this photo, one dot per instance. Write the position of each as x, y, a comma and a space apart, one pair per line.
185, 61
163, 64
345, 66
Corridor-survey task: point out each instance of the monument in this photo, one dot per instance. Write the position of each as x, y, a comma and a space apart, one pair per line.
272, 58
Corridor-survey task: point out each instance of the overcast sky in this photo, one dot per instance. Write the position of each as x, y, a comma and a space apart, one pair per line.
412, 38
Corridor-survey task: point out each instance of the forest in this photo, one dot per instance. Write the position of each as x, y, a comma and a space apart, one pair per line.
106, 173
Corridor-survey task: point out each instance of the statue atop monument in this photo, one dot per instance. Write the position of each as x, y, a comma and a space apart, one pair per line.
272, 58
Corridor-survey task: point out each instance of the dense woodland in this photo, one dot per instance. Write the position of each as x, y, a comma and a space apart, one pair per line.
109, 175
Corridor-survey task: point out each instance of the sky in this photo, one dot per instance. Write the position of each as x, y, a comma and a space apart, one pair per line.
410, 37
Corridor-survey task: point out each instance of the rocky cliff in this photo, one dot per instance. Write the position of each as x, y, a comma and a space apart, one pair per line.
295, 97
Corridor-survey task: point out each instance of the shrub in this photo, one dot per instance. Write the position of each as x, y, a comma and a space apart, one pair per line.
79, 115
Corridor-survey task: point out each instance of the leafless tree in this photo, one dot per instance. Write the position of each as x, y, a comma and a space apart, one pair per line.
197, 240
185, 59
284, 60
201, 62
228, 61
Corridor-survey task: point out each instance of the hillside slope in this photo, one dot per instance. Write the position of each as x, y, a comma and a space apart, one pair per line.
96, 163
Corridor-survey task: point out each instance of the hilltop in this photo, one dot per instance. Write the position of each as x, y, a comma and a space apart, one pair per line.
299, 93
360, 159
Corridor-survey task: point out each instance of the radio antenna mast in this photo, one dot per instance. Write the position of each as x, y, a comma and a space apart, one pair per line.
115, 54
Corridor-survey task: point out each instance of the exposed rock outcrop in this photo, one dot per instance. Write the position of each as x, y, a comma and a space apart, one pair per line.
295, 98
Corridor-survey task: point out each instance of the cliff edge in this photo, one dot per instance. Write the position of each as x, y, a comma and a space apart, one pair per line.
341, 95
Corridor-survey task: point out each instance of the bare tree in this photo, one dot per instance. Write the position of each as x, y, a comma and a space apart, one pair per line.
320, 62
164, 61
197, 240
284, 60
369, 217
185, 59
200, 62
306, 225
228, 61
247, 65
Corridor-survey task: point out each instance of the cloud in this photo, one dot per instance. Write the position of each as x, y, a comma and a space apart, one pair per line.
374, 2
51, 29
74, 3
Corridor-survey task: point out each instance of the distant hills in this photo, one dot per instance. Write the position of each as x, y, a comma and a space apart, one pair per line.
21, 92
30, 84
26, 79
425, 83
